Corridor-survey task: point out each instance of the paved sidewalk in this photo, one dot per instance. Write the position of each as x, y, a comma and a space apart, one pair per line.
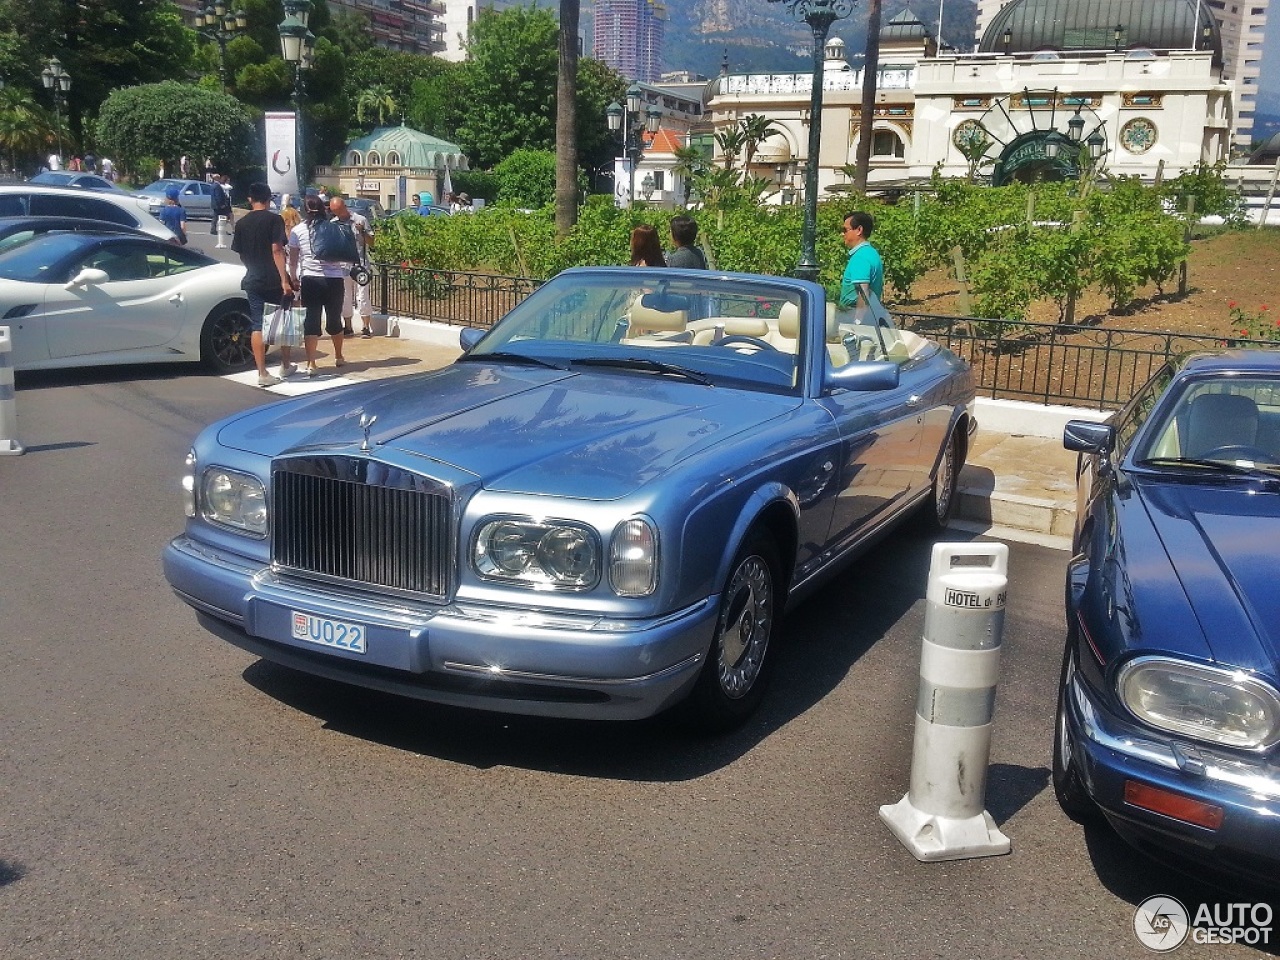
1014, 486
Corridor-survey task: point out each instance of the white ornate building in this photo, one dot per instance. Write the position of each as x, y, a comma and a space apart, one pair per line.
1139, 94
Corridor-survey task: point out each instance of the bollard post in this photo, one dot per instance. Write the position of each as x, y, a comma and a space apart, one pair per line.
222, 234
942, 816
9, 444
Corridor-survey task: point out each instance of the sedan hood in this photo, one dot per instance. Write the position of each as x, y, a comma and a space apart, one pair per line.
1220, 540
591, 435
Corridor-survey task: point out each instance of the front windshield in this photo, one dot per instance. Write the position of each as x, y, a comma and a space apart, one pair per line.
724, 331
35, 261
1230, 422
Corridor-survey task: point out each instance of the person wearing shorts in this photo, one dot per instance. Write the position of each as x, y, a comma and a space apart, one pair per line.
259, 239
320, 284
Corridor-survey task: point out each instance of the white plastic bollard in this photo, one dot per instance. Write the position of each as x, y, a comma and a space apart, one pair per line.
9, 444
942, 817
222, 234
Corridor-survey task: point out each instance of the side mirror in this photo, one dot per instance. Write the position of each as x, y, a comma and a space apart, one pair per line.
863, 376
468, 337
1086, 436
87, 277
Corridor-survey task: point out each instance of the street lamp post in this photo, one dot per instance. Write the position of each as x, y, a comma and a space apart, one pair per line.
297, 44
819, 15
629, 122
218, 24
58, 82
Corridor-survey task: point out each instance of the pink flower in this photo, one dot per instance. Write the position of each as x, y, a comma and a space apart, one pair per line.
1231, 304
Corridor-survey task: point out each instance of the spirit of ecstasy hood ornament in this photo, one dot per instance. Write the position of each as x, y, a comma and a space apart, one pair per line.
366, 421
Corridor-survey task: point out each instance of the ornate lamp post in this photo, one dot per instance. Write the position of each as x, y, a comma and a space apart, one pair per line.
216, 23
297, 45
819, 15
629, 122
58, 82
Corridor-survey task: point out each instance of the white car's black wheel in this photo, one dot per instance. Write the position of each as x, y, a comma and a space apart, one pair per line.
736, 673
226, 340
1068, 785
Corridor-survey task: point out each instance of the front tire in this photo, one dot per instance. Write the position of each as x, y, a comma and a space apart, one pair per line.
733, 680
1068, 785
940, 505
226, 343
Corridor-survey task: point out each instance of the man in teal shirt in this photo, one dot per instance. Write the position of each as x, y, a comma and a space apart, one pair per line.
865, 265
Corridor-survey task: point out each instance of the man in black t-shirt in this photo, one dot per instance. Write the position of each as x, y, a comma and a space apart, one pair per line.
260, 240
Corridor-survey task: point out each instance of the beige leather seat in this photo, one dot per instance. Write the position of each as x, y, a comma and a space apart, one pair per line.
642, 320
713, 329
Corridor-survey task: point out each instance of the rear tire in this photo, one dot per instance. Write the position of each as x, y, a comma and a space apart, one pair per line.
1068, 785
736, 673
226, 339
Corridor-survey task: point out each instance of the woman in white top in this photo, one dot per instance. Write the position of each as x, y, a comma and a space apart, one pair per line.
319, 282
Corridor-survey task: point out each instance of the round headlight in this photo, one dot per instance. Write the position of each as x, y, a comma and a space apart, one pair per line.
568, 555
512, 548
1227, 707
235, 500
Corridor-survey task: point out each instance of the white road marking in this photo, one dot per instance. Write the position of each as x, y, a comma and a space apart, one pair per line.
296, 385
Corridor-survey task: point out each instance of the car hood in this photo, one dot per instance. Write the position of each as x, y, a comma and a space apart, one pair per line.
592, 435
1220, 545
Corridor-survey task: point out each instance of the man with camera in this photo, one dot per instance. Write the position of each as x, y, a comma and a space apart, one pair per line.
356, 284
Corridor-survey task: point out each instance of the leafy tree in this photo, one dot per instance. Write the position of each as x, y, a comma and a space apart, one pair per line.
25, 128
598, 86
527, 179
509, 83
166, 120
425, 88
689, 164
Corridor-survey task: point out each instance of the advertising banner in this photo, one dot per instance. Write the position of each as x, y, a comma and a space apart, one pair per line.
282, 168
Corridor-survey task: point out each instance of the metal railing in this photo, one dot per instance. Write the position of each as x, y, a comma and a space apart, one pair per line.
1078, 365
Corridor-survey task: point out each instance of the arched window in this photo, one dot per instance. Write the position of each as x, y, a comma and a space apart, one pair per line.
375, 159
353, 159
886, 143
393, 159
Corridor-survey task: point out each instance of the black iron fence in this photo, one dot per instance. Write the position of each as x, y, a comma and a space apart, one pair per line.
1091, 366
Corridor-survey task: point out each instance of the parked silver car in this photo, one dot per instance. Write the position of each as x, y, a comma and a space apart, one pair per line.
34, 200
196, 196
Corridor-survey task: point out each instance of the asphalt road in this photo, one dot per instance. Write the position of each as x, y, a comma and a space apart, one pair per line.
165, 795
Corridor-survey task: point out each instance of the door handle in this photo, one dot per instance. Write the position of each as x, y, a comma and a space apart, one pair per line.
176, 299
914, 400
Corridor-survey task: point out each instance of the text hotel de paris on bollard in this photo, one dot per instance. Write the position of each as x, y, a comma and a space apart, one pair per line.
942, 817
8, 400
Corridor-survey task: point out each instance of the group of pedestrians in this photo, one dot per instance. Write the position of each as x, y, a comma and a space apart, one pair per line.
864, 266
284, 267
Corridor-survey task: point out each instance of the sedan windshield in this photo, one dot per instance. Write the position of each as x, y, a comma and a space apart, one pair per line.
1222, 425
708, 329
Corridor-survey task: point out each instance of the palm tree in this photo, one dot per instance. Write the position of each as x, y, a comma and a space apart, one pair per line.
567, 119
756, 129
375, 99
731, 143
25, 127
870, 71
689, 163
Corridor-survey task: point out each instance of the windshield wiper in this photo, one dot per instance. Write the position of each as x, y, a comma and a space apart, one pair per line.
1221, 466
644, 363
507, 356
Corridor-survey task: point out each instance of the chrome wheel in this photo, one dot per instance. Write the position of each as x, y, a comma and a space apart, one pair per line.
746, 622
944, 485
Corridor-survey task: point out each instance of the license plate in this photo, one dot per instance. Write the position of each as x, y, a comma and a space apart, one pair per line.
335, 634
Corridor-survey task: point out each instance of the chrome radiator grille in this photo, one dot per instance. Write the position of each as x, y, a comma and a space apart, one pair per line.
329, 521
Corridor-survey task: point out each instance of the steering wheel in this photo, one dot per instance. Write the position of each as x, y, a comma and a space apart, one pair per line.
1241, 451
741, 339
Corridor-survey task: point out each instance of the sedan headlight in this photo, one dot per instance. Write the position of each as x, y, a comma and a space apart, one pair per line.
1219, 706
553, 554
633, 558
234, 500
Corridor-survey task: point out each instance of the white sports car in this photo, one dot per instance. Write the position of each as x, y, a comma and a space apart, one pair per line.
91, 299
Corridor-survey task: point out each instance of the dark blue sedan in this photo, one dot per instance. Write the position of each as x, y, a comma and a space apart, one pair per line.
599, 511
1169, 704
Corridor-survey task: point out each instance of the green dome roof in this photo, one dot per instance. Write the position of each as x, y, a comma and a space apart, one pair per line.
1033, 25
415, 149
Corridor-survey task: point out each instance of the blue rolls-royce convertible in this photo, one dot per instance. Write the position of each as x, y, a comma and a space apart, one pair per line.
599, 511
1169, 704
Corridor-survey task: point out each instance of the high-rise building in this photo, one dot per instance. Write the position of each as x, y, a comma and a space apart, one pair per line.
629, 36
1241, 24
